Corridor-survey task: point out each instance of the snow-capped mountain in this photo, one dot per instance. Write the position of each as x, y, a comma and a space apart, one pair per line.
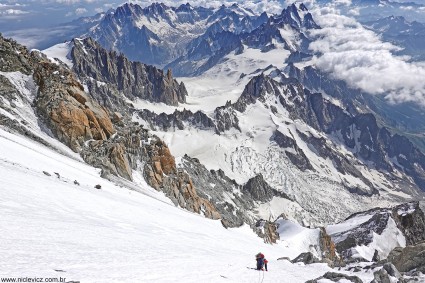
255, 142
377, 232
410, 35
371, 10
311, 138
284, 32
158, 34
299, 129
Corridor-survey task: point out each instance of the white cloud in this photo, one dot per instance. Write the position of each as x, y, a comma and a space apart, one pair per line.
68, 2
343, 2
80, 11
13, 12
71, 2
354, 11
358, 56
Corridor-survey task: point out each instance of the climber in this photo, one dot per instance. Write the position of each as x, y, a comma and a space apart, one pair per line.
265, 263
260, 261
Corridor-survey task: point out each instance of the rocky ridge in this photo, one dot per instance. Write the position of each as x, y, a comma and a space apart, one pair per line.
107, 139
408, 218
365, 141
131, 29
110, 74
234, 201
359, 133
205, 51
104, 138
110, 141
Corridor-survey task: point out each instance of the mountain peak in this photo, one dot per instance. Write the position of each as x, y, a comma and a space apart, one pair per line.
184, 8
298, 17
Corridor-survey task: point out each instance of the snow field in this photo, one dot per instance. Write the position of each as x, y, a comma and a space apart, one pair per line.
115, 234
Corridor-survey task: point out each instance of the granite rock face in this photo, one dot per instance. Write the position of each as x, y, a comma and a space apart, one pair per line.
328, 248
387, 274
306, 258
234, 201
409, 258
14, 57
83, 120
133, 148
72, 115
132, 79
267, 230
408, 218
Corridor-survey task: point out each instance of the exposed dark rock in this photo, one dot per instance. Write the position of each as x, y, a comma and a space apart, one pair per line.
98, 186
120, 31
292, 16
359, 131
132, 79
409, 258
256, 89
176, 120
218, 188
376, 256
206, 51
298, 158
328, 249
306, 258
47, 173
284, 258
336, 277
225, 118
72, 115
297, 56
344, 165
361, 235
410, 219
388, 274
267, 230
258, 188
14, 57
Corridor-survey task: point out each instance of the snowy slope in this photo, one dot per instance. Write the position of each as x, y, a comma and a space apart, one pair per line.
60, 52
115, 234
55, 223
242, 155
375, 230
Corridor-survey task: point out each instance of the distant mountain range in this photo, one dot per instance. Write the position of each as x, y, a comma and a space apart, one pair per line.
410, 35
241, 127
249, 84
